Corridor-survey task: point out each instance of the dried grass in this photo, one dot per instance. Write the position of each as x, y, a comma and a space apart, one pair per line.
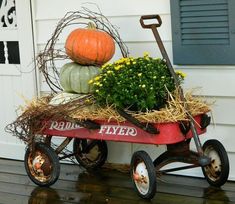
36, 111
173, 112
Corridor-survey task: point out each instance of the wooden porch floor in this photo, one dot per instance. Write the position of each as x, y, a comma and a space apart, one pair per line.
76, 185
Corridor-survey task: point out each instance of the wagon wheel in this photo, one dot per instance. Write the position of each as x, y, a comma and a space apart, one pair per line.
42, 165
90, 154
216, 173
143, 175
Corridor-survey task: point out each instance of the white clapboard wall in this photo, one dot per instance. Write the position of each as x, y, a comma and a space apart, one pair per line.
216, 83
17, 77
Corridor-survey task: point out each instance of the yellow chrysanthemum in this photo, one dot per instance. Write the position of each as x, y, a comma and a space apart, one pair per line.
97, 78
117, 67
90, 81
180, 73
146, 54
105, 65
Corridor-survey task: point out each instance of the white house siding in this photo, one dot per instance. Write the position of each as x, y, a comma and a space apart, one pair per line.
216, 82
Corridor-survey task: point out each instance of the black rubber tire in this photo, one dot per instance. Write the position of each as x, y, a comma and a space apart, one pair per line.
49, 171
91, 159
217, 172
141, 157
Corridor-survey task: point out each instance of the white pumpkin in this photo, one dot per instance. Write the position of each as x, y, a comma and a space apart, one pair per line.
63, 98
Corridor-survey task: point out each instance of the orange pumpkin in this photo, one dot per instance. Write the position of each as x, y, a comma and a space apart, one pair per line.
89, 46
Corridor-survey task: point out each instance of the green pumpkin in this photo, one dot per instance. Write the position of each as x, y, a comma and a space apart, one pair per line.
75, 77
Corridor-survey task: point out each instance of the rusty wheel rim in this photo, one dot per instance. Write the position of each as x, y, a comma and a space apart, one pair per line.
213, 170
40, 166
141, 177
92, 156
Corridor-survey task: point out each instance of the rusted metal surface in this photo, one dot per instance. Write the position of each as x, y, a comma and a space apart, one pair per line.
179, 152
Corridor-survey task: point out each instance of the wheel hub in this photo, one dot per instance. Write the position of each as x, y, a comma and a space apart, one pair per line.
37, 162
41, 165
141, 178
214, 168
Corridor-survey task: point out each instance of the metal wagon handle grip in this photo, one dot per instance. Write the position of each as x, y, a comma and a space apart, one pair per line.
149, 17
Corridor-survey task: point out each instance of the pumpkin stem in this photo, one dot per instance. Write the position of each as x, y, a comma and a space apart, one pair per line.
91, 25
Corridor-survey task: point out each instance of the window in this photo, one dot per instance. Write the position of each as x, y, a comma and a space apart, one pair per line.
203, 31
9, 52
9, 46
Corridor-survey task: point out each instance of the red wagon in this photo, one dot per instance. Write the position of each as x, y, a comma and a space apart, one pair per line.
90, 148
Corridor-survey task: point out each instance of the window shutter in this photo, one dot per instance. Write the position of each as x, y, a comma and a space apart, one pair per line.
203, 31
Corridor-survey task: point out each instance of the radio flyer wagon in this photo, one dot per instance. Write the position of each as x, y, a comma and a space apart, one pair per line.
90, 148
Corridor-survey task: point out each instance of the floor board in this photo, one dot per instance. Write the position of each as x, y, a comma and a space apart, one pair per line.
77, 185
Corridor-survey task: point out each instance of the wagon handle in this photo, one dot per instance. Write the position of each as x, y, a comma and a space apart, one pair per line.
150, 17
158, 39
203, 160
